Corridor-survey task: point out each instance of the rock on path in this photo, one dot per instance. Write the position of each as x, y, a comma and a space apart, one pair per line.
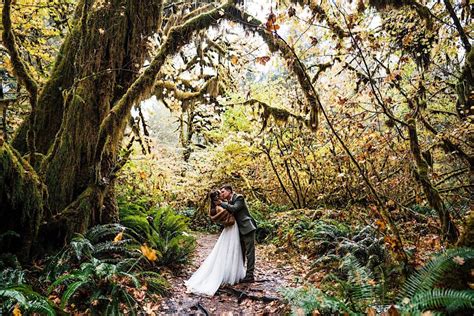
269, 271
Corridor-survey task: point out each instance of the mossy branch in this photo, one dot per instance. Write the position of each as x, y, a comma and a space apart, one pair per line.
278, 114
19, 67
179, 94
178, 36
277, 44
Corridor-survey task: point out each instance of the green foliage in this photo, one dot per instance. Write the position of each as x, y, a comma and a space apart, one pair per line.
96, 243
421, 291
449, 300
13, 290
100, 270
102, 286
434, 271
307, 299
162, 229
354, 284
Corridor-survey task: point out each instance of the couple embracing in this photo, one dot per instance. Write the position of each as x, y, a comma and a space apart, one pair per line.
236, 244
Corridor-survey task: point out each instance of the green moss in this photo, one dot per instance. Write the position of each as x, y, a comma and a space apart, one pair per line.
21, 202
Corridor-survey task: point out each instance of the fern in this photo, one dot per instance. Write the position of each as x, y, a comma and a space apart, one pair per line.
155, 282
433, 272
98, 269
310, 299
163, 230
28, 299
449, 299
100, 232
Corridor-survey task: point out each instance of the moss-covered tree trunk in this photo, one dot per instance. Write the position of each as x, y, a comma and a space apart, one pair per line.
21, 203
109, 56
95, 82
49, 109
448, 228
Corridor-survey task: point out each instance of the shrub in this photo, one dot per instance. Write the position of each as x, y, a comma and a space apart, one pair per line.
162, 229
101, 270
421, 292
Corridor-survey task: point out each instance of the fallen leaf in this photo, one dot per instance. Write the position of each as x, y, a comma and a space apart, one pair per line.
16, 310
459, 260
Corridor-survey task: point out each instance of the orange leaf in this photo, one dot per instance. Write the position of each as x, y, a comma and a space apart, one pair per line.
118, 237
234, 60
148, 252
380, 224
392, 311
270, 24
371, 311
262, 60
16, 310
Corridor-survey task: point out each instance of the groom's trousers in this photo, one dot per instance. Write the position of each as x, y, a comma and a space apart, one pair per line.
247, 242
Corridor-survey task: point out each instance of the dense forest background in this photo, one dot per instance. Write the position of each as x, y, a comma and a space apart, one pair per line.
346, 124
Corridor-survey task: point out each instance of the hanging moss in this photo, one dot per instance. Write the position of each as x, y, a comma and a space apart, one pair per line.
277, 44
22, 206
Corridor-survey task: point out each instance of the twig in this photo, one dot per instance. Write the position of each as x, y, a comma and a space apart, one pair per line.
204, 310
241, 295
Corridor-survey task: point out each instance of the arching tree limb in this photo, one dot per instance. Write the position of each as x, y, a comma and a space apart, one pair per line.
277, 44
178, 36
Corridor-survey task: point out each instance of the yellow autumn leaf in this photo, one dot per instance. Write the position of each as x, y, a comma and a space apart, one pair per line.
118, 237
148, 252
16, 310
234, 60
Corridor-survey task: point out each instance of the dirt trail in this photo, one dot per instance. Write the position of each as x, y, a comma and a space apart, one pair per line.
270, 274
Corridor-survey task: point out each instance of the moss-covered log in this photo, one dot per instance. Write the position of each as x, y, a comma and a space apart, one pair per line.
22, 205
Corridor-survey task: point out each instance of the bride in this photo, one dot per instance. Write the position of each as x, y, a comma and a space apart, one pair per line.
225, 264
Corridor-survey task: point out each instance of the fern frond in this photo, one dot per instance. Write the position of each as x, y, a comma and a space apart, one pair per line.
71, 289
81, 246
15, 294
155, 282
98, 233
449, 299
433, 272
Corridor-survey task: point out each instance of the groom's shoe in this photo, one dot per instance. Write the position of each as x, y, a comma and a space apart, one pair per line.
248, 279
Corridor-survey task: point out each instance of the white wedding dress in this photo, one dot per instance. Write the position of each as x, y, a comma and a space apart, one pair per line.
224, 265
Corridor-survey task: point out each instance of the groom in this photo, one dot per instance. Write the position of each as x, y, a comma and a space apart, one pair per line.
247, 226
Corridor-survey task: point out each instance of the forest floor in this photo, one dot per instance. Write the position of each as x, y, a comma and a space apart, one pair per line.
271, 274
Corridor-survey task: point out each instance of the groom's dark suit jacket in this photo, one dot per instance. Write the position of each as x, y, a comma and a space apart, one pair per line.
238, 207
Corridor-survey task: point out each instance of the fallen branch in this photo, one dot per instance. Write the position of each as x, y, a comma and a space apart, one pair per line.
241, 295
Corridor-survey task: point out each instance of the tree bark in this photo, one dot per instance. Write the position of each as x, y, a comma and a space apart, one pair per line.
448, 228
110, 53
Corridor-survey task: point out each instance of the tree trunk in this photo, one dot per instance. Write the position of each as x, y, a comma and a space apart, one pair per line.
21, 203
49, 110
448, 228
110, 53
467, 237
